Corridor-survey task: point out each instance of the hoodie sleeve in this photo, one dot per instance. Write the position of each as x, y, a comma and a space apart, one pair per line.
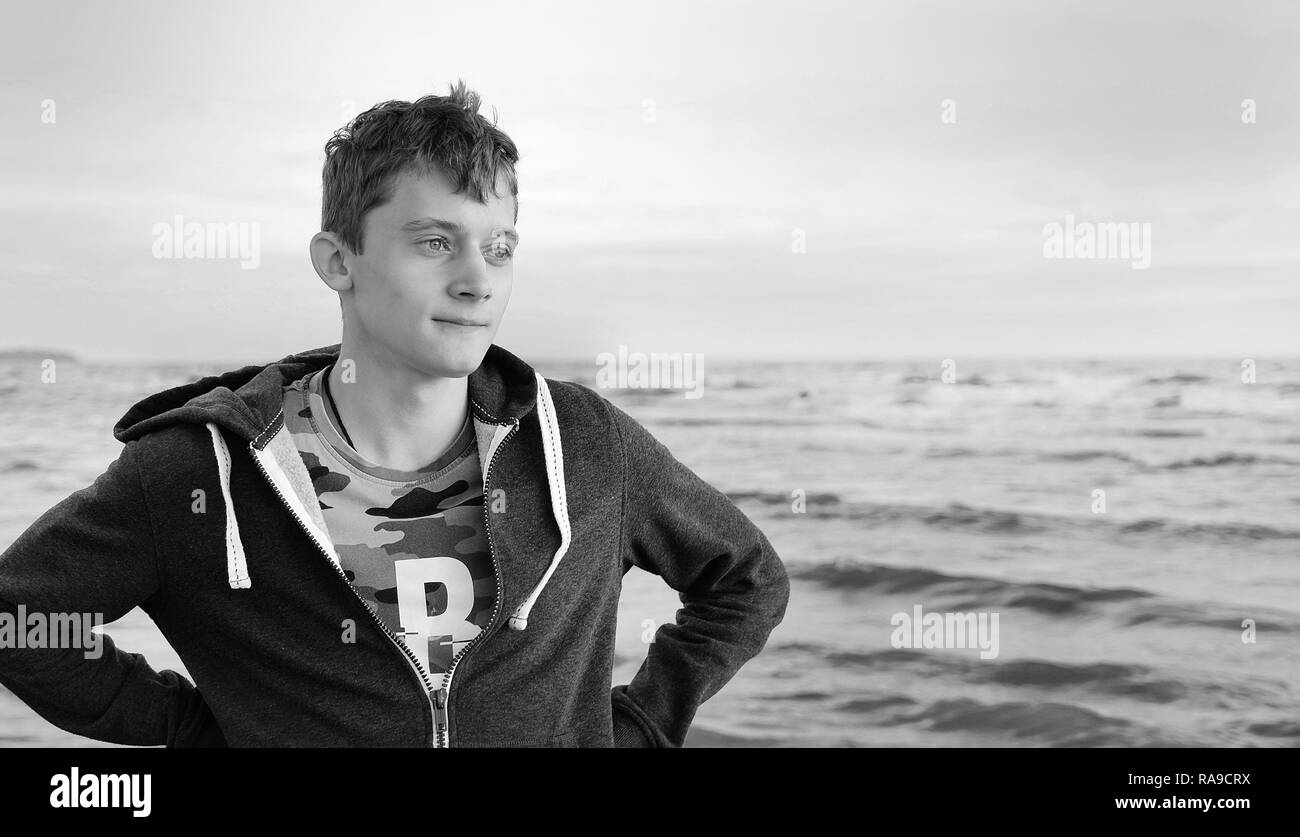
732, 585
94, 553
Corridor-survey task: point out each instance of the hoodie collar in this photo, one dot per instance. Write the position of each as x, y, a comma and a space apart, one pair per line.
247, 401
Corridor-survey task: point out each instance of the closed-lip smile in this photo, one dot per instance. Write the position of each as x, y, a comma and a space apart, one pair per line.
457, 321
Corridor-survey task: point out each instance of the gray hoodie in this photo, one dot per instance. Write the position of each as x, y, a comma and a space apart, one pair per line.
250, 594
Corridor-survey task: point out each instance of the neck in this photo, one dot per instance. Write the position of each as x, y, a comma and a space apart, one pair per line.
397, 416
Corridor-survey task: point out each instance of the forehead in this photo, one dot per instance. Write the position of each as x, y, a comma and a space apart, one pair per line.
424, 194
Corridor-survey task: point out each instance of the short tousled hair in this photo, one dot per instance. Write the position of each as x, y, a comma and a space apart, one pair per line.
445, 133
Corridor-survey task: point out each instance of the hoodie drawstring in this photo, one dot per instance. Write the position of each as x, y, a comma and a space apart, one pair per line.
554, 452
236, 562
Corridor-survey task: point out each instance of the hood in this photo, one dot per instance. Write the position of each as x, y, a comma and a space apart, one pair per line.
246, 404
247, 401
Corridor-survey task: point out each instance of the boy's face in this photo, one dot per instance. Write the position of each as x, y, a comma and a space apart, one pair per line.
435, 277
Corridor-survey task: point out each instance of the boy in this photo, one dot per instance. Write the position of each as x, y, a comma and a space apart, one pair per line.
407, 539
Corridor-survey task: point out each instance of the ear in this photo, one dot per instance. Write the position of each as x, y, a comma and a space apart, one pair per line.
330, 256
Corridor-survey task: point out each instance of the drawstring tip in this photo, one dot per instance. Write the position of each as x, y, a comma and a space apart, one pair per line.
517, 623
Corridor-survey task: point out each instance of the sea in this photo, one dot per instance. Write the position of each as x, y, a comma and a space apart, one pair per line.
1125, 533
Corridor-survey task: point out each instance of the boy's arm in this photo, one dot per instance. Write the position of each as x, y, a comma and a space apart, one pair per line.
732, 585
92, 553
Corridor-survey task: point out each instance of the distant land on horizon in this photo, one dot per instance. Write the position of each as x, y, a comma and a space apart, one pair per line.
23, 353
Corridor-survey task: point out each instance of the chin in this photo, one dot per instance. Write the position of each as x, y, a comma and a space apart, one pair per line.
456, 361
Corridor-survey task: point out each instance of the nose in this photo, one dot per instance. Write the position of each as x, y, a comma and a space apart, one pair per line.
471, 282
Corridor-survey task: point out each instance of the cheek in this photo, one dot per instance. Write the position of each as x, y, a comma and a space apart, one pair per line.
504, 286
393, 286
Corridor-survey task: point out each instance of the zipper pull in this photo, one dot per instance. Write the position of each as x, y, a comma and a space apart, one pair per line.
440, 709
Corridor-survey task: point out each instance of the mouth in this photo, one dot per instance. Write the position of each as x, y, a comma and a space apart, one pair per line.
459, 322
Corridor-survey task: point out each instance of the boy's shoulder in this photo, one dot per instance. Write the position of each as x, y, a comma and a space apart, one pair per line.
579, 405
173, 452
584, 412
171, 439
579, 400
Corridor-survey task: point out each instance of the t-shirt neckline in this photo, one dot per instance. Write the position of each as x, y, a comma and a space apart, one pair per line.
325, 424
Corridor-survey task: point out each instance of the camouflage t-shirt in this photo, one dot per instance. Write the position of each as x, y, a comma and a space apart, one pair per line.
411, 542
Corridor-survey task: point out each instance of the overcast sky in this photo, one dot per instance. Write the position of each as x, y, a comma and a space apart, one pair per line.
676, 232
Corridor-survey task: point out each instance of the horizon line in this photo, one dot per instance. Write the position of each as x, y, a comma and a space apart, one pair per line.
13, 353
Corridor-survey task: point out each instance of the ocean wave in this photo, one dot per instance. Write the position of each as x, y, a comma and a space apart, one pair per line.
971, 381
1050, 723
1276, 729
1200, 531
1166, 434
802, 421
1127, 681
1181, 378
815, 498
1221, 617
957, 516
970, 592
1215, 461
962, 594
952, 453
964, 453
1227, 459
952, 516
1089, 456
798, 697
1133, 681
861, 705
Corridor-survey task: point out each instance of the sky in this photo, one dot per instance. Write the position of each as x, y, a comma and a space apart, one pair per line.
743, 180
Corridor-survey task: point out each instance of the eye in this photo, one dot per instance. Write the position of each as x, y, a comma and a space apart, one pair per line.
439, 239
501, 252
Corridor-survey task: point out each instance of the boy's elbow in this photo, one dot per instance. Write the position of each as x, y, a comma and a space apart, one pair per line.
781, 590
773, 584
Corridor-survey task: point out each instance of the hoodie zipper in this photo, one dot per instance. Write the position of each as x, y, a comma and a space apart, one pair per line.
444, 694
438, 714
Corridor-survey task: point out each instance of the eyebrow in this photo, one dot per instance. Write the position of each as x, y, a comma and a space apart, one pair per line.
454, 228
